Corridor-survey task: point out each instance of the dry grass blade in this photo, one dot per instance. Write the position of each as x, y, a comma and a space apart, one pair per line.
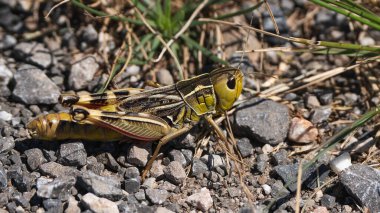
299, 183
55, 6
272, 17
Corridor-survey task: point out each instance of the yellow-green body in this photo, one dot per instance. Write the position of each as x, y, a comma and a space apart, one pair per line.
146, 115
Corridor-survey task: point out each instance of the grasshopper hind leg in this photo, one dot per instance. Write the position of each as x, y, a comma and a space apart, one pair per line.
162, 142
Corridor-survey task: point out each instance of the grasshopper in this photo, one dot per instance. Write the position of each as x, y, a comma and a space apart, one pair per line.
162, 113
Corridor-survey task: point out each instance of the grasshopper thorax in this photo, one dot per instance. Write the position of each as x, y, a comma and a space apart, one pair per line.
228, 84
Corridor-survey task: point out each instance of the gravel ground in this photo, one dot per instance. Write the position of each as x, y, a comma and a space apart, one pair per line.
41, 58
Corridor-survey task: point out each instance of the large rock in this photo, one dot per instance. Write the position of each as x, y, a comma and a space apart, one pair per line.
264, 120
34, 87
57, 188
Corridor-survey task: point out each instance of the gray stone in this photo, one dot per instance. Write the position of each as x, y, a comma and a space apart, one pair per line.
176, 155
281, 157
21, 201
264, 120
34, 87
53, 205
6, 144
57, 188
99, 205
3, 179
89, 34
34, 53
278, 190
10, 21
140, 195
72, 206
3, 199
198, 168
312, 102
326, 98
82, 72
72, 154
54, 169
328, 201
245, 147
157, 170
188, 155
132, 172
234, 191
7, 41
156, 196
138, 154
132, 185
163, 210
175, 173
164, 77
35, 158
94, 166
5, 116
5, 74
108, 187
320, 114
201, 200
363, 183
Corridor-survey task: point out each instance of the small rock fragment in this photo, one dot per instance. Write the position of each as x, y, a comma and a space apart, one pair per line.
328, 201
54, 169
99, 205
267, 189
138, 154
156, 196
89, 34
132, 172
34, 53
35, 158
82, 72
53, 205
164, 77
362, 182
198, 168
245, 147
176, 155
34, 87
5, 74
101, 186
264, 120
72, 154
175, 173
302, 131
57, 188
320, 114
201, 200
163, 210
132, 185
5, 116
6, 144
3, 179
72, 206
312, 102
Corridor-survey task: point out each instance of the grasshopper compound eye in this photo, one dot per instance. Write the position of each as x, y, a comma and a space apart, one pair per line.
79, 114
231, 83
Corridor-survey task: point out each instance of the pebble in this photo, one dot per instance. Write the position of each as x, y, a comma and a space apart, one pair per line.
5, 116
108, 187
140, 195
132, 185
198, 168
163, 210
34, 53
234, 191
149, 183
328, 201
245, 147
98, 205
138, 154
320, 114
10, 21
175, 173
176, 155
326, 98
72, 154
281, 157
132, 172
320, 209
7, 41
3, 179
157, 170
302, 131
265, 120
6, 144
312, 102
267, 189
57, 188
201, 200
267, 149
82, 72
54, 169
164, 77
362, 182
89, 34
367, 41
72, 206
213, 161
35, 158
94, 166
156, 196
53, 205
5, 73
34, 87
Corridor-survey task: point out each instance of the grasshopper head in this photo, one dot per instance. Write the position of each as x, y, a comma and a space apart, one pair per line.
44, 127
228, 84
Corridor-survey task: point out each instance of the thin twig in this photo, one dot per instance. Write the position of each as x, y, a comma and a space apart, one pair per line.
272, 17
299, 183
182, 30
55, 6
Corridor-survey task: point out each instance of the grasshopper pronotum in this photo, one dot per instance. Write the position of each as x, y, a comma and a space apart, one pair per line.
161, 113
